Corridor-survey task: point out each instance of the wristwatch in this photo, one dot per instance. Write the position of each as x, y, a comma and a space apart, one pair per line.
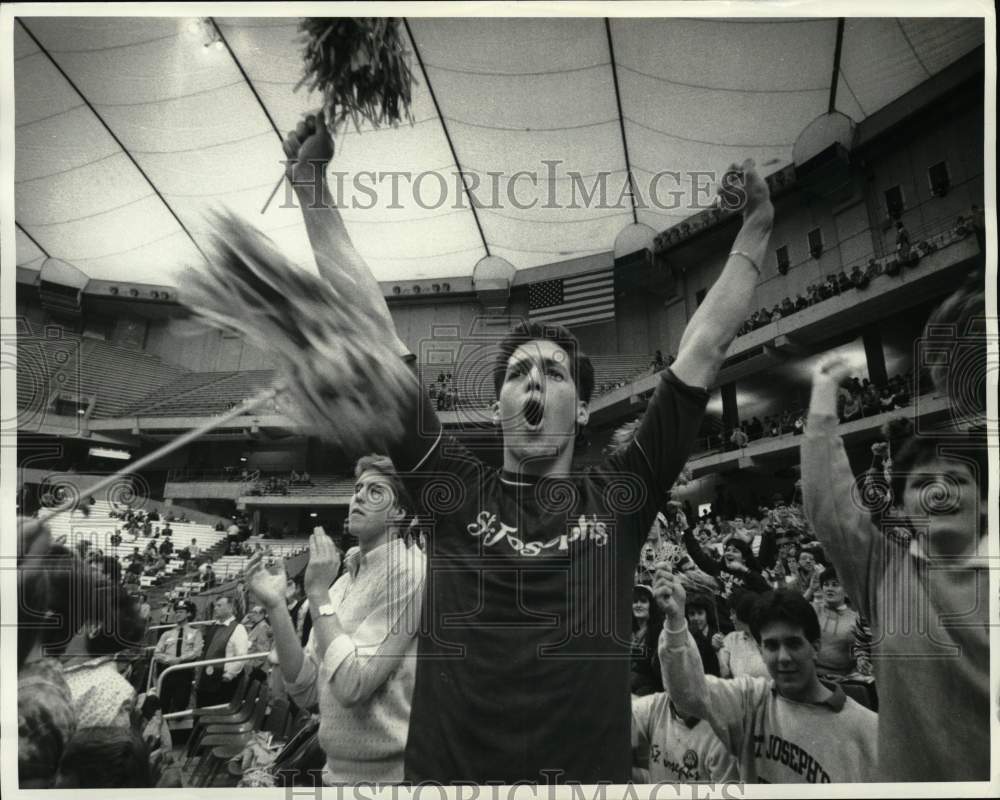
326, 610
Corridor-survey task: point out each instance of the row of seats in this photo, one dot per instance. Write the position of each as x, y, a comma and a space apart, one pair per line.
204, 394
81, 369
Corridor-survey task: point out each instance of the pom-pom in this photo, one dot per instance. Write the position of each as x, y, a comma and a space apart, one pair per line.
361, 68
345, 383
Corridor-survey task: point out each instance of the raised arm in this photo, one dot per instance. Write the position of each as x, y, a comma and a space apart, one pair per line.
309, 149
829, 490
723, 703
714, 325
269, 588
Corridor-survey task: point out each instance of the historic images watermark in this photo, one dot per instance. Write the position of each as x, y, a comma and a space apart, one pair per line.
546, 187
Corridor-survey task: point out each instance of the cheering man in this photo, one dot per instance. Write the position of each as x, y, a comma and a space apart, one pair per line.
523, 658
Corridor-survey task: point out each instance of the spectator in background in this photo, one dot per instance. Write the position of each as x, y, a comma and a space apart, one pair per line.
739, 652
178, 645
840, 628
145, 609
261, 640
658, 364
859, 279
226, 638
903, 253
703, 624
167, 545
647, 622
193, 550
739, 438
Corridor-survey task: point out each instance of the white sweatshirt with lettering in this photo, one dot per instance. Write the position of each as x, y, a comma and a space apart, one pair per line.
775, 740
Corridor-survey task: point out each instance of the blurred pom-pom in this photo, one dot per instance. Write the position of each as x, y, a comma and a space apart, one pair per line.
345, 384
360, 66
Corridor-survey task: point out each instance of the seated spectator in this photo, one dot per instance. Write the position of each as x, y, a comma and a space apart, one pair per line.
739, 653
193, 550
116, 538
901, 394
840, 628
106, 757
305, 478
658, 363
787, 307
843, 282
764, 318
775, 313
852, 407
762, 720
885, 401
755, 429
167, 546
859, 279
801, 302
799, 423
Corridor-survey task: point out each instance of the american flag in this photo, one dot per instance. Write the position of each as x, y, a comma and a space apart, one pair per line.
579, 300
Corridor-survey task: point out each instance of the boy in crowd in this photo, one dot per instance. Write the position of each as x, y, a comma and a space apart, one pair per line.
534, 557
843, 651
926, 594
789, 728
669, 748
360, 661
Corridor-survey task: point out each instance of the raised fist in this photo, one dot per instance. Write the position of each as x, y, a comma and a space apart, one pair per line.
669, 593
832, 369
743, 189
308, 147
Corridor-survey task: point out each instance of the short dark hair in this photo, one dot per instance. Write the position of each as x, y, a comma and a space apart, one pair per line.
829, 575
110, 757
963, 448
783, 605
744, 605
580, 367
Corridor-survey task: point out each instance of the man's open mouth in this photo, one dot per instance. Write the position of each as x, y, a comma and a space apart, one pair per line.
533, 412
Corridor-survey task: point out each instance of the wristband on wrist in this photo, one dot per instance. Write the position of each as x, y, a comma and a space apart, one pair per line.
747, 257
682, 629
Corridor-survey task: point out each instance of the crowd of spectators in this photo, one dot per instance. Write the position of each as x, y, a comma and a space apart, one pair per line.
859, 277
858, 398
727, 564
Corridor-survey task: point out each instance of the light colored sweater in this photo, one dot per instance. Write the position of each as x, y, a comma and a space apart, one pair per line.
774, 739
678, 753
930, 627
364, 683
